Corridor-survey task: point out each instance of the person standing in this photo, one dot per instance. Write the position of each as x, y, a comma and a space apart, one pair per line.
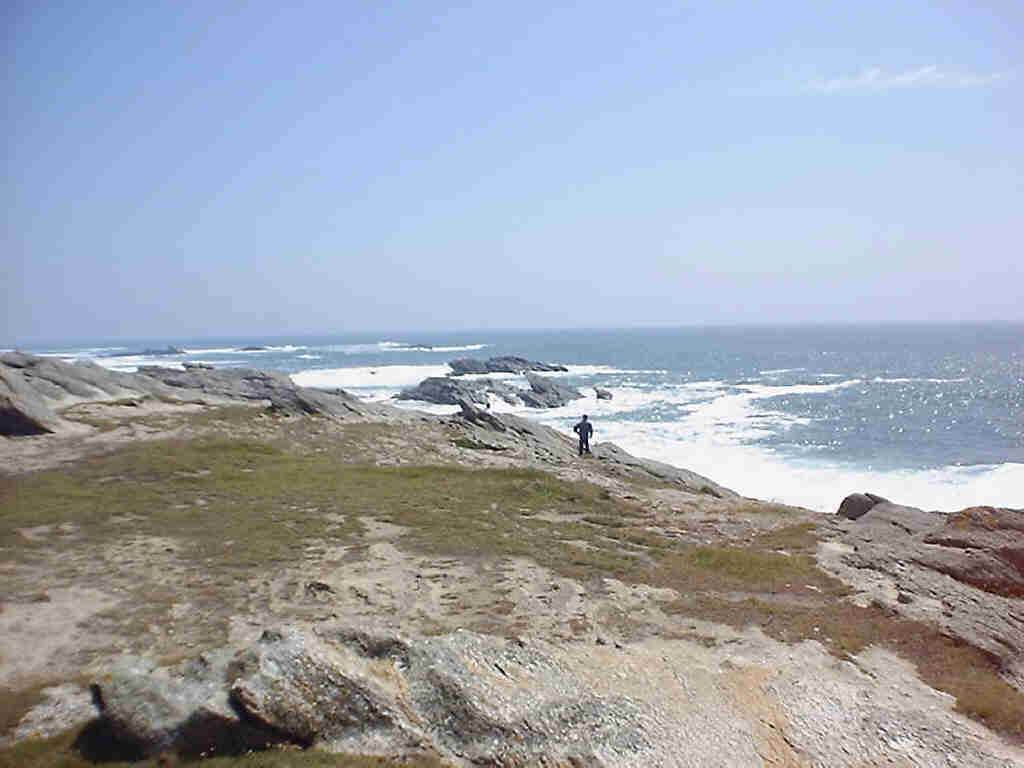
584, 429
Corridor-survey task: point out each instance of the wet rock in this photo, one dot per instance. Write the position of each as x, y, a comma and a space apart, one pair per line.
168, 350
546, 393
444, 390
467, 365
602, 394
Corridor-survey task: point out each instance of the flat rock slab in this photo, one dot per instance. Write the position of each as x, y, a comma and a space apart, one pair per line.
475, 699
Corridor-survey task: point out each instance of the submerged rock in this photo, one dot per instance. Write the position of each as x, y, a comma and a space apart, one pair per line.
168, 350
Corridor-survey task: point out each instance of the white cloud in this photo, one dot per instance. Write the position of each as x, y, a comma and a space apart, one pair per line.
924, 77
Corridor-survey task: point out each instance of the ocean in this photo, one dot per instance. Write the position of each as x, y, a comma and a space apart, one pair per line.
930, 416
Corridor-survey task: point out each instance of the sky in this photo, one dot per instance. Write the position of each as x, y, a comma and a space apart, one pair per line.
212, 168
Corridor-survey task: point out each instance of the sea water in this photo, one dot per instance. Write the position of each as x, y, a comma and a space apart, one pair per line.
929, 416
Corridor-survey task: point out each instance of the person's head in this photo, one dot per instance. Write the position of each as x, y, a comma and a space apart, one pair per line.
584, 417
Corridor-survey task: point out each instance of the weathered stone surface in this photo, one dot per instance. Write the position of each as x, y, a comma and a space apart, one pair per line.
251, 384
960, 571
546, 393
34, 389
20, 416
467, 365
474, 699
981, 546
480, 416
186, 709
602, 394
312, 692
691, 481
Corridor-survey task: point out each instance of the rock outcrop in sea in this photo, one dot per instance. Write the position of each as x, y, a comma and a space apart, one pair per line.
467, 365
447, 390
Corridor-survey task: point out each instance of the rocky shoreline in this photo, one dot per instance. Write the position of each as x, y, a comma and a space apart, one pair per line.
622, 612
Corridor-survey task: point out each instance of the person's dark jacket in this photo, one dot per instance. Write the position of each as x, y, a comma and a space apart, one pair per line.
584, 429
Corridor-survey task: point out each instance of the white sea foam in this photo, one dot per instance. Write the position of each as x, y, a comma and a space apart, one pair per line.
241, 351
711, 429
310, 357
429, 348
378, 377
757, 471
880, 380
131, 363
774, 371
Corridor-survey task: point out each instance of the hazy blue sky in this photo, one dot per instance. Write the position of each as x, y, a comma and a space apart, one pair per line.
210, 168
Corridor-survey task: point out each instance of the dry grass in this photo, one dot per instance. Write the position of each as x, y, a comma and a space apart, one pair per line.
66, 751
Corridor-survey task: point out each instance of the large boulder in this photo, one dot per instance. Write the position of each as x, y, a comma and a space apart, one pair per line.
23, 410
465, 697
249, 384
33, 390
856, 505
546, 393
468, 365
444, 390
149, 710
